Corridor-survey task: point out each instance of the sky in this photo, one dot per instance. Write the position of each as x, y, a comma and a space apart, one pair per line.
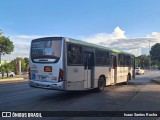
127, 25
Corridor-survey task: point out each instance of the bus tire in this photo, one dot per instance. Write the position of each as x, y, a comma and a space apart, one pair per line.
128, 78
11, 75
101, 84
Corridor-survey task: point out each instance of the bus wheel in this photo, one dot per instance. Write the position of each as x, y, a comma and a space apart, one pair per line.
101, 84
11, 75
128, 78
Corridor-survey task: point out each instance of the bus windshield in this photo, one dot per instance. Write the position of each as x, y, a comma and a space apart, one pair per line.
46, 50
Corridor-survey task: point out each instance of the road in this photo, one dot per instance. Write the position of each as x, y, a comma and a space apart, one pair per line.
139, 95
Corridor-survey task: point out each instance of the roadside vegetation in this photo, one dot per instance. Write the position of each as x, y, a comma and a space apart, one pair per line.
7, 47
154, 58
12, 66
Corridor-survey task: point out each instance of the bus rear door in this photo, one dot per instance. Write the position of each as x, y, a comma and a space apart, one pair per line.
88, 69
113, 69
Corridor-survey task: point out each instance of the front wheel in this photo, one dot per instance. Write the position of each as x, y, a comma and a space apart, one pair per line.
101, 84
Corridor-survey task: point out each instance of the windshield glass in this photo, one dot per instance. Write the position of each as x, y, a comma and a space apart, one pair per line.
46, 48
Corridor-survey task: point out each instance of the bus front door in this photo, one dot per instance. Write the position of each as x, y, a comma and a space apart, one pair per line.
88, 70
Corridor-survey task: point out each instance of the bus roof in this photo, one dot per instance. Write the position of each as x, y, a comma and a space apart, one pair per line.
80, 42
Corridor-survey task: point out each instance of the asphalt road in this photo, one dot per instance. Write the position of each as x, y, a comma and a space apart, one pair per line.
139, 95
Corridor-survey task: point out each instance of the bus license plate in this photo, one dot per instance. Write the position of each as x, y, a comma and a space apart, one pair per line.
43, 79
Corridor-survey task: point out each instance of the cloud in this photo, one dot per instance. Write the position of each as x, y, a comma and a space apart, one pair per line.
118, 40
155, 35
118, 33
27, 36
33, 36
113, 40
21, 46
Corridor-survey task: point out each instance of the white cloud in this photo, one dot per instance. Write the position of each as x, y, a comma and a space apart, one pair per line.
155, 35
104, 37
27, 36
118, 33
113, 40
118, 40
21, 46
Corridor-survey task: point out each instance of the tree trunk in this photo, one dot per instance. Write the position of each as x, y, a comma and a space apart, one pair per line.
2, 74
7, 74
0, 58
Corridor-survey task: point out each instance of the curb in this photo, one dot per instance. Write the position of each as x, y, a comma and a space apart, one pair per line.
12, 80
156, 80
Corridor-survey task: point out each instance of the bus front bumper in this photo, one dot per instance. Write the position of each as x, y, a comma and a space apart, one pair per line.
47, 85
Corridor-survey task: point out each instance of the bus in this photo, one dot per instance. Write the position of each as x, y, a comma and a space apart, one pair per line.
62, 63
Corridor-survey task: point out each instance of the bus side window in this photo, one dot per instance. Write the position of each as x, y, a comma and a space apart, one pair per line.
114, 64
102, 58
91, 60
74, 53
128, 61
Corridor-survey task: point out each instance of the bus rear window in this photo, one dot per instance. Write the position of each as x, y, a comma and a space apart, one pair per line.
46, 50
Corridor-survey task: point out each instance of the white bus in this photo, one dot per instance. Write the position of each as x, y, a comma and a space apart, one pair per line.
61, 63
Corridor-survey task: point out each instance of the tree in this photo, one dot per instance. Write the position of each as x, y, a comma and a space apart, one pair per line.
27, 63
5, 68
142, 61
6, 45
24, 64
155, 50
2, 70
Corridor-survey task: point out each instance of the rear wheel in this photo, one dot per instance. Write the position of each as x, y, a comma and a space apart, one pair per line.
101, 84
128, 78
11, 75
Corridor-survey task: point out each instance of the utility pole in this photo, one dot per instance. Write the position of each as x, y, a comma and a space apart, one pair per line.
149, 55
